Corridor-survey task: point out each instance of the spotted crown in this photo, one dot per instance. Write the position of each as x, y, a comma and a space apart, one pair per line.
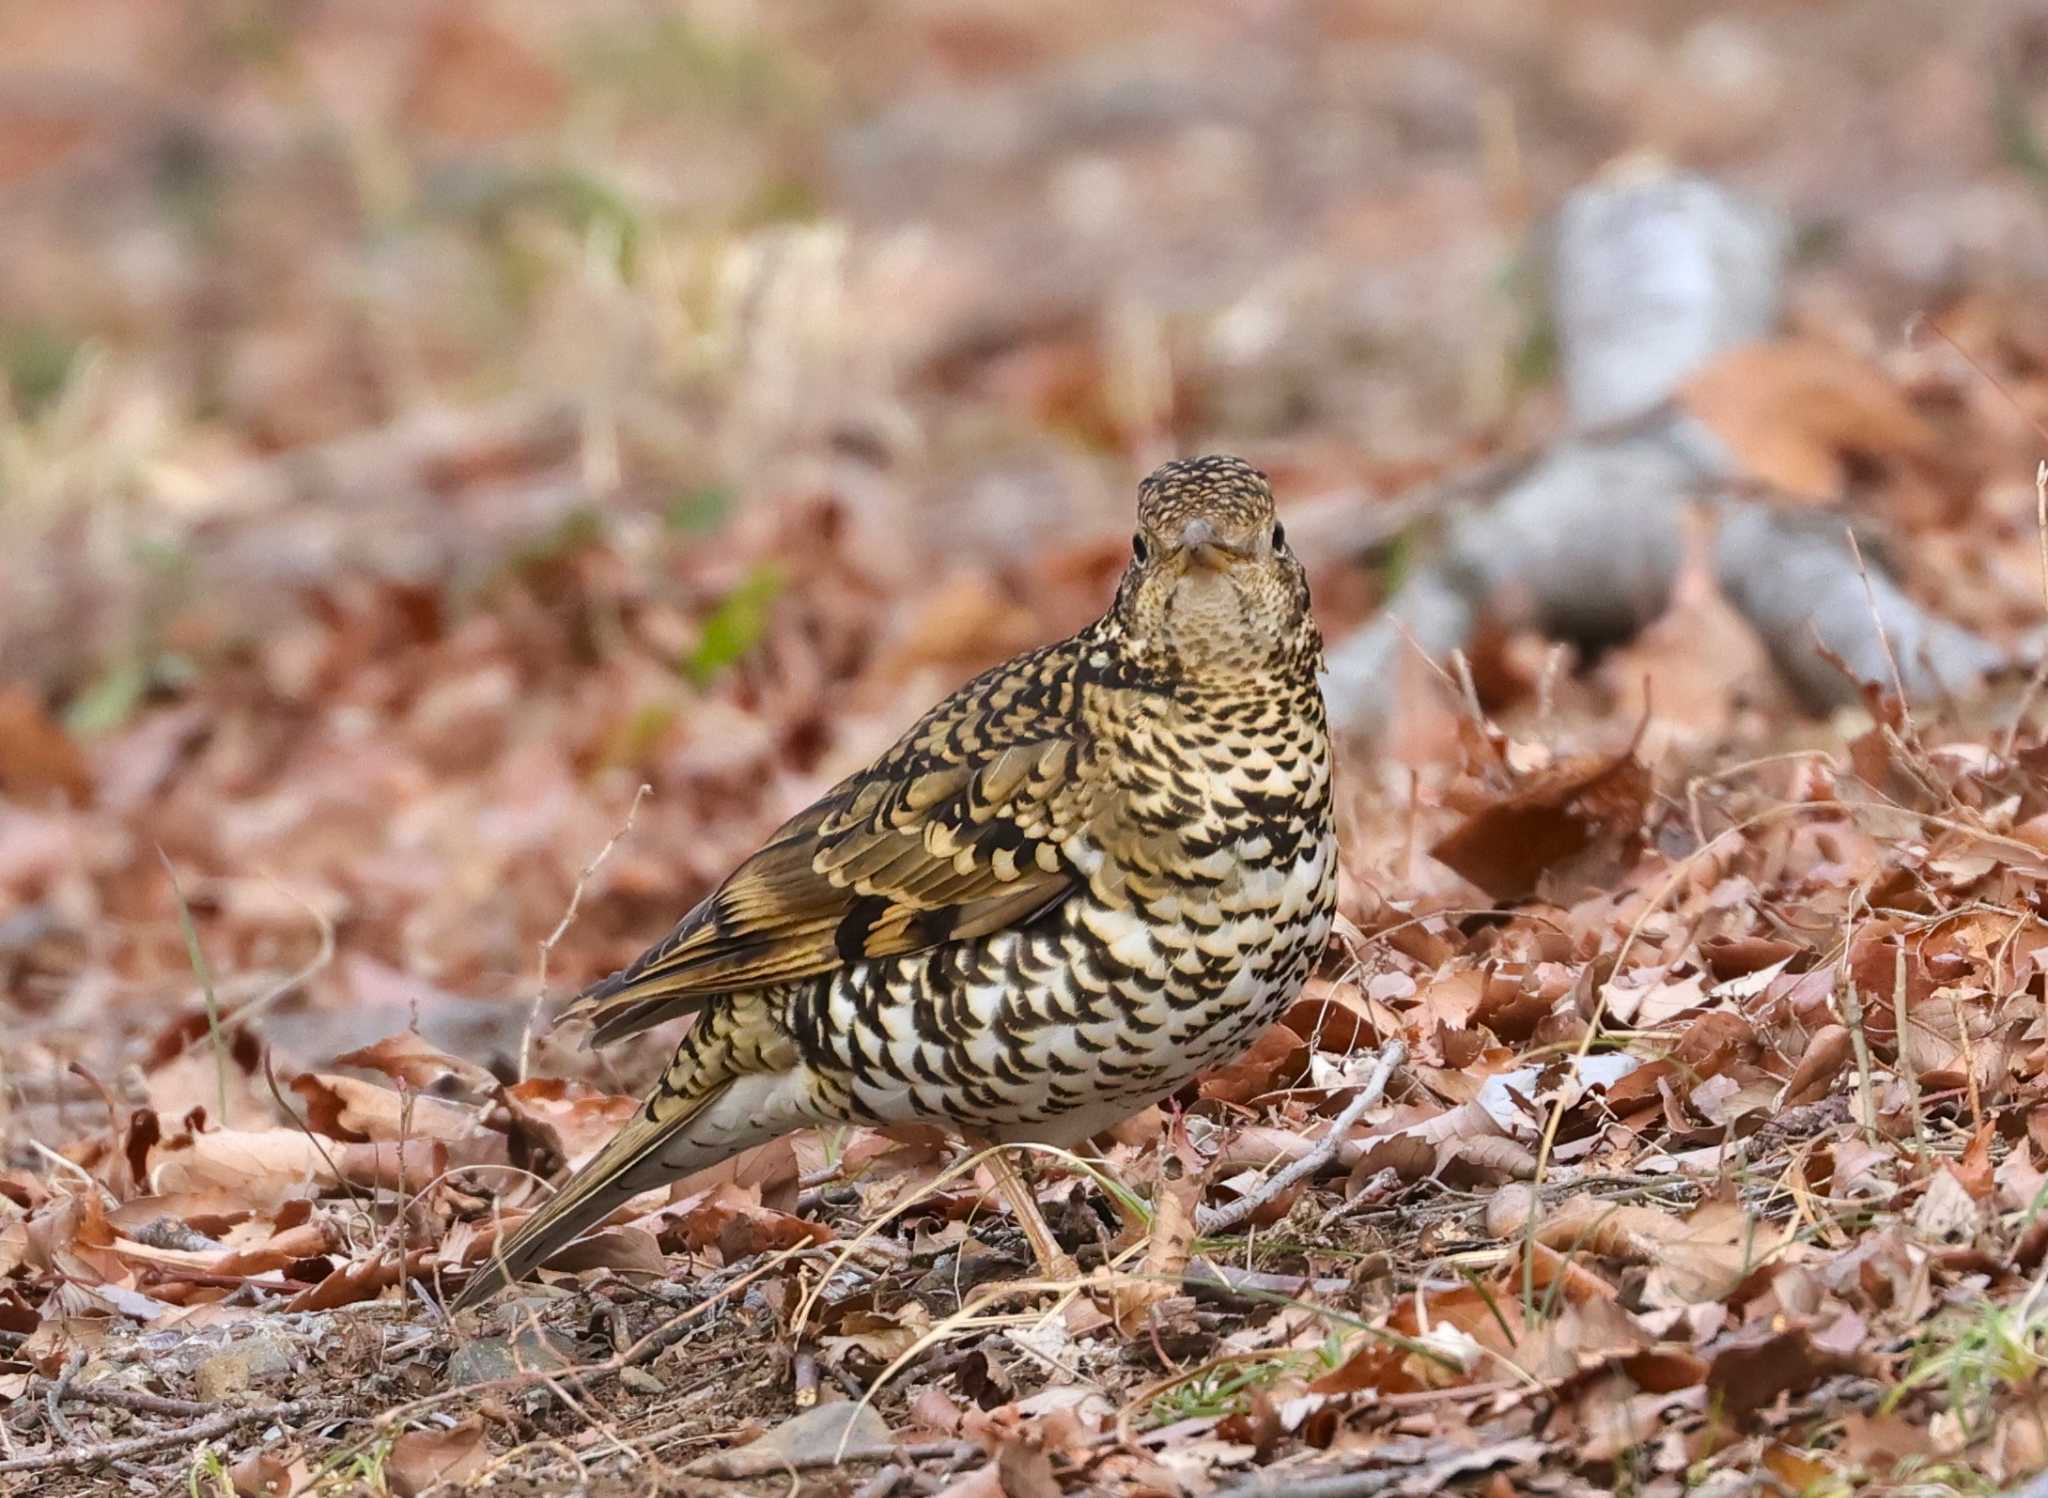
1220, 486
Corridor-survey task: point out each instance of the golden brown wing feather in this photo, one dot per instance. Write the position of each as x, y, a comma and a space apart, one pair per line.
955, 832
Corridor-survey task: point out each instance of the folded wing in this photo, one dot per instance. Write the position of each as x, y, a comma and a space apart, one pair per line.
956, 832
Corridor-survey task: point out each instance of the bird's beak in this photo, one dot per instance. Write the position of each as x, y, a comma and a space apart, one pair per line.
1199, 544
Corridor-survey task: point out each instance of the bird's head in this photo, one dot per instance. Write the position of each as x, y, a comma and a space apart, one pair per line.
1212, 587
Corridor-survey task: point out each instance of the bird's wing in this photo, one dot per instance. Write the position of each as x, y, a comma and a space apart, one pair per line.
955, 832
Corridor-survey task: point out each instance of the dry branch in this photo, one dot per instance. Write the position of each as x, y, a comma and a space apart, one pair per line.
292, 1412
1212, 1220
1585, 541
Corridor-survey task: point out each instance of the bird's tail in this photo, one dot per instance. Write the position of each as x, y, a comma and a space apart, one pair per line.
647, 1152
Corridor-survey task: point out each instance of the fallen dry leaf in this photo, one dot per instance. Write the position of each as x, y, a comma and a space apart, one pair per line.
37, 757
269, 1167
421, 1459
1754, 1365
1826, 1054
1025, 1471
1795, 410
1276, 1059
560, 1120
1172, 1235
364, 1279
623, 1250
266, 1474
874, 1338
409, 1057
1585, 1334
347, 1108
1548, 822
731, 1218
1947, 1212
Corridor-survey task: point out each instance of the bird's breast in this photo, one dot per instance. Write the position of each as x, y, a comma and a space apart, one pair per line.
1225, 804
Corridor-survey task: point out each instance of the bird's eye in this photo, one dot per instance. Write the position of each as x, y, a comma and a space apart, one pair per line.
1138, 547
1279, 535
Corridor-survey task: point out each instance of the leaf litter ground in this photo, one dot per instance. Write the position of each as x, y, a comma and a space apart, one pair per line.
1712, 1148
1669, 1116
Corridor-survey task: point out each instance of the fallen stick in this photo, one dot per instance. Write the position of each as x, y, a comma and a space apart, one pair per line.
139, 1402
292, 1412
1653, 276
1336, 1485
1227, 1282
1212, 1220
730, 1465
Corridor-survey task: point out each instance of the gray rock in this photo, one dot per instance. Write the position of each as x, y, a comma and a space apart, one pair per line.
245, 1364
525, 1351
821, 1437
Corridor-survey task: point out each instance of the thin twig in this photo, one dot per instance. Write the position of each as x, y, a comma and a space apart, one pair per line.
197, 956
1907, 1073
1468, 690
1884, 640
53, 1398
1210, 1221
292, 1412
1369, 1192
72, 1167
1207, 1277
689, 1430
1554, 660
1852, 1016
588, 1375
745, 1463
249, 1009
547, 947
65, 1387
136, 1401
2039, 676
1294, 1485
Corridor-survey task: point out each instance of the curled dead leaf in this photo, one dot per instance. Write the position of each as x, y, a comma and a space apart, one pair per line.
732, 1219
1409, 1157
1025, 1471
267, 1474
1172, 1235
1339, 1017
349, 1108
1489, 1158
1822, 1061
1509, 1211
1575, 809
1730, 957
561, 1120
1696, 1258
363, 1279
37, 757
267, 1167
1947, 1213
409, 1057
1277, 1058
1793, 410
1589, 1332
1753, 1365
423, 1459
623, 1250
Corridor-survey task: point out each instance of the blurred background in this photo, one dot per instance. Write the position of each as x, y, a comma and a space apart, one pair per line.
427, 421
